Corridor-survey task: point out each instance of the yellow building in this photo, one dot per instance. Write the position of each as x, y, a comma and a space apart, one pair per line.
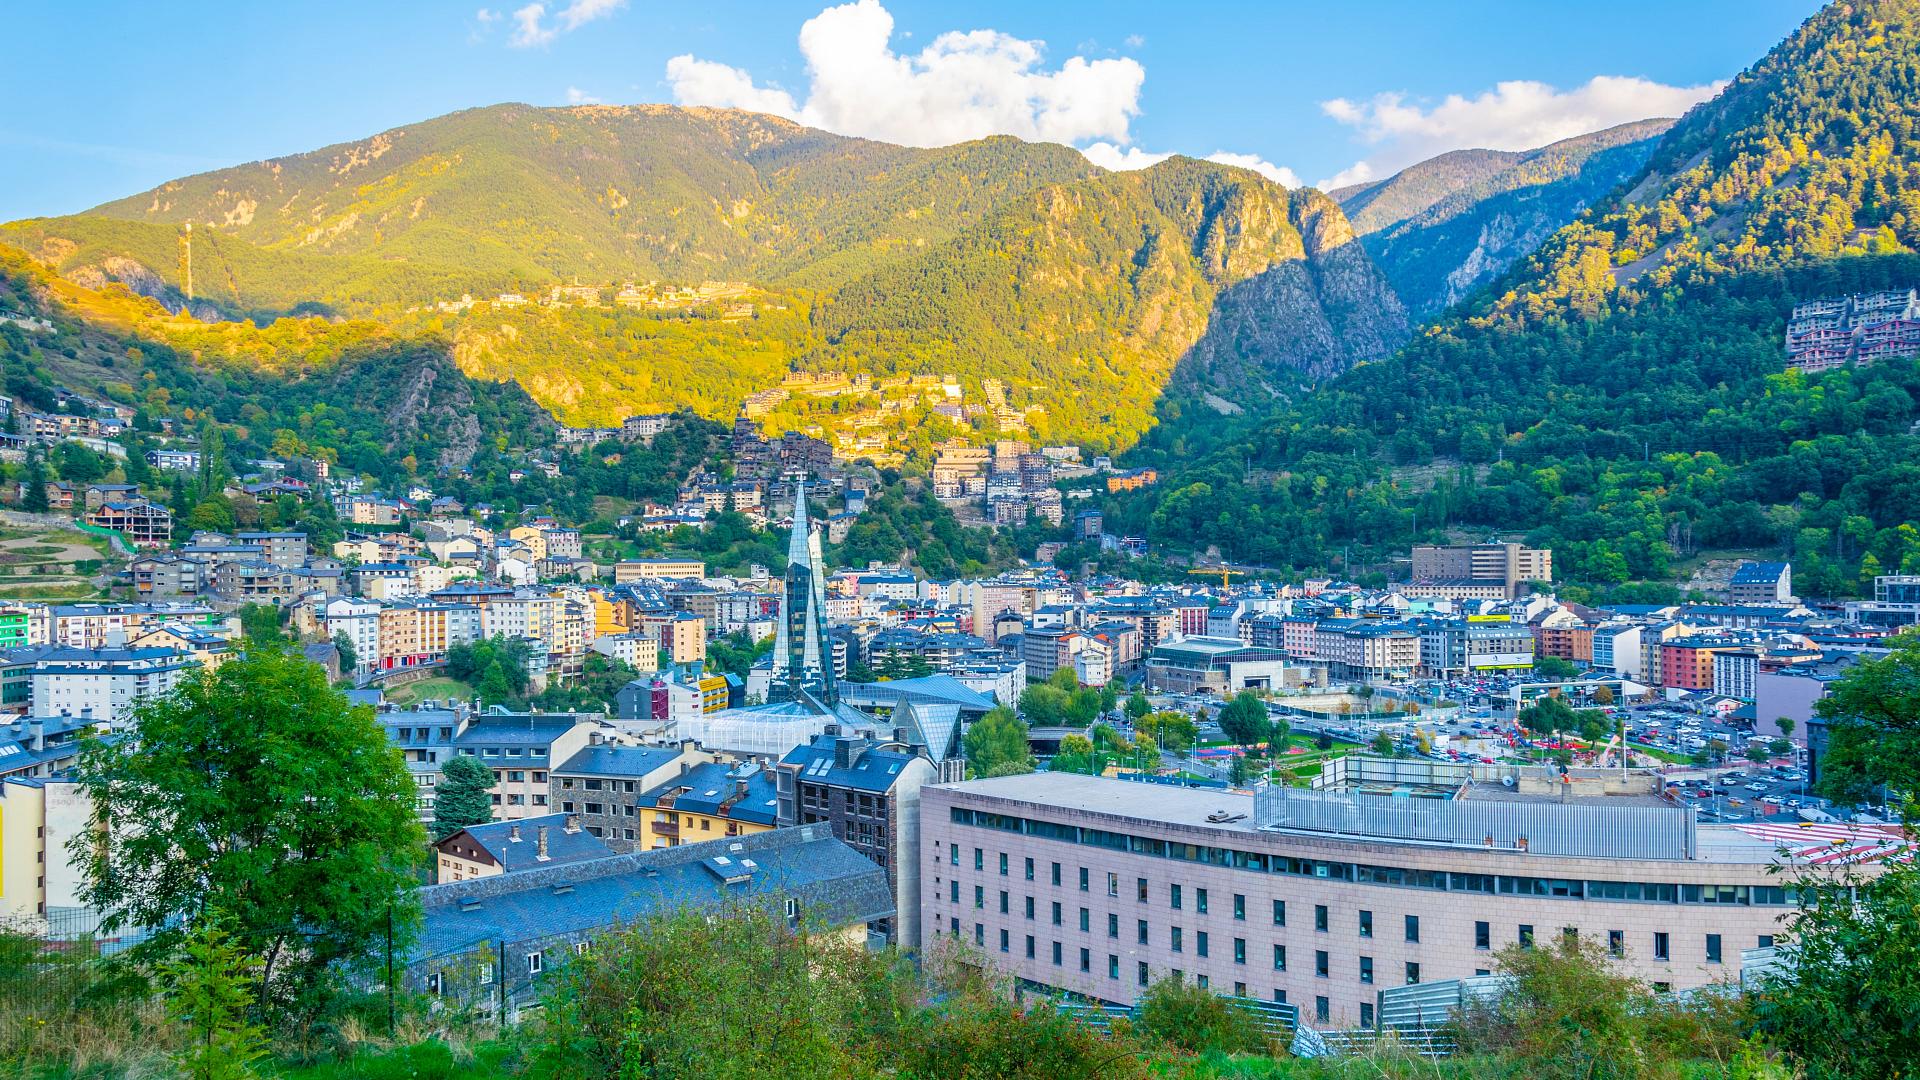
713, 693
682, 636
709, 802
632, 570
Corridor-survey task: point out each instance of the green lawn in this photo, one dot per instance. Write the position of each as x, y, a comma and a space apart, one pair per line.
441, 689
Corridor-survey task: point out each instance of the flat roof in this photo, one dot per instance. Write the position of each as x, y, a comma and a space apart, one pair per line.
1758, 842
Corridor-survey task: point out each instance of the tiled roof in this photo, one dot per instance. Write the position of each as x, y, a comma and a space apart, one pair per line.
497, 839
628, 761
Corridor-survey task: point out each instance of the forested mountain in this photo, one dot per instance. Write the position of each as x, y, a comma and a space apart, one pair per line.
1081, 291
1084, 297
1619, 395
1444, 227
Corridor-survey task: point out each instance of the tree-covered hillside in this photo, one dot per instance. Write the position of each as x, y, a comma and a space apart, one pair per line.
1624, 410
1477, 226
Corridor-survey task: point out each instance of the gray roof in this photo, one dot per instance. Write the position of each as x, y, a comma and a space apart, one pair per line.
834, 884
496, 838
627, 761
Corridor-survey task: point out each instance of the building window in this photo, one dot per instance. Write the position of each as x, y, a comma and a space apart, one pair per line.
1029, 907
1029, 946
1320, 918
1113, 925
1140, 976
953, 890
1113, 884
1056, 913
1174, 895
1279, 913
980, 934
953, 854
1029, 869
1279, 958
1239, 950
1086, 920
1764, 941
1086, 960
1003, 939
1003, 864
1200, 901
953, 927
1201, 981
1616, 943
1413, 928
1366, 924
1113, 966
1660, 951
1140, 889
1200, 942
1239, 907
980, 896
1322, 1010
1366, 1014
1482, 935
1321, 963
1056, 954
1366, 969
1413, 972
1143, 932
1713, 948
1526, 935
979, 859
1003, 901
1083, 879
535, 963
1056, 873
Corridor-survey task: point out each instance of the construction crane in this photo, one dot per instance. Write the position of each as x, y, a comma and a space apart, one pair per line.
1227, 574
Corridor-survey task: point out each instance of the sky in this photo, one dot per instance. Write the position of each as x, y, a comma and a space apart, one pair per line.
109, 98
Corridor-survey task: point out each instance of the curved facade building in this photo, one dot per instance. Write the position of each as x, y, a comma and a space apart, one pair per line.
1099, 887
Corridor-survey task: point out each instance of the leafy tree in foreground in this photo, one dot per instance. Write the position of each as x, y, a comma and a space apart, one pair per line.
996, 744
349, 657
463, 797
258, 791
1846, 1001
1873, 725
1244, 719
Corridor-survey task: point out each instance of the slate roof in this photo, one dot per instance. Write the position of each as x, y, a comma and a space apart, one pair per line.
496, 839
629, 761
834, 884
1758, 573
874, 770
712, 784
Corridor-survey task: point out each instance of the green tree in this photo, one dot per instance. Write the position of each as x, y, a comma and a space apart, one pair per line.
1244, 719
1173, 731
1138, 706
495, 686
1554, 669
1873, 725
1176, 1013
996, 744
34, 498
1064, 679
1549, 716
209, 990
259, 791
1845, 1000
349, 658
1756, 753
1384, 745
260, 623
463, 797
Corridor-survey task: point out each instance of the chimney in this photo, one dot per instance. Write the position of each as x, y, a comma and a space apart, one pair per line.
573, 823
513, 833
541, 854
831, 729
844, 752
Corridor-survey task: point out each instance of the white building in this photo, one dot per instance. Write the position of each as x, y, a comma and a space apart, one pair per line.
104, 683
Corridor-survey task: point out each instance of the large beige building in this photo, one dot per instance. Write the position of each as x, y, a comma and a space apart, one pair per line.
1512, 565
1099, 886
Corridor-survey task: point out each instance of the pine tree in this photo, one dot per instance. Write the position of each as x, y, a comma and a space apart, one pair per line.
34, 499
463, 797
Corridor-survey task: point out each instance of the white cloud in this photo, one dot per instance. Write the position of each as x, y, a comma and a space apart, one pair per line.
577, 96
704, 82
1134, 41
1515, 115
487, 16
1281, 175
1108, 156
530, 26
964, 85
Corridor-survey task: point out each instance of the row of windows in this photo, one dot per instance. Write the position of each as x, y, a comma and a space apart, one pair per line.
1177, 939
1261, 862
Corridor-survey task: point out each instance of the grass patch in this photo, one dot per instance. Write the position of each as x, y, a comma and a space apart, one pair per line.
437, 689
1667, 756
78, 590
430, 1060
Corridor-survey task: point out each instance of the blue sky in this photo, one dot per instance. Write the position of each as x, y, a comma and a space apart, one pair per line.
109, 98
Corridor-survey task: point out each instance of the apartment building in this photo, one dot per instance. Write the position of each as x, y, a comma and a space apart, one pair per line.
1098, 887
104, 683
414, 632
521, 749
1509, 565
682, 636
632, 570
508, 847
